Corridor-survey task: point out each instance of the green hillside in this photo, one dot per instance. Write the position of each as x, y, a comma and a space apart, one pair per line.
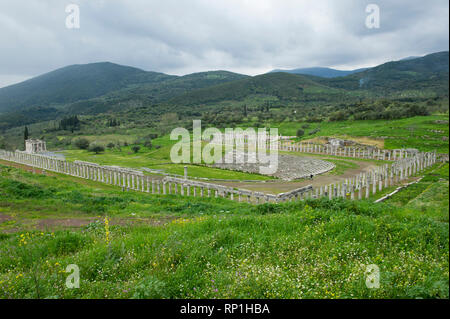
321, 72
426, 75
218, 96
95, 89
166, 90
73, 83
283, 86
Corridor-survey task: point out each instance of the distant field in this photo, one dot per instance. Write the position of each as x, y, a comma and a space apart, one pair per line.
421, 132
411, 132
156, 158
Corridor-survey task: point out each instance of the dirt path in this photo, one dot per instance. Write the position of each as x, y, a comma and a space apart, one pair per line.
320, 180
24, 167
53, 224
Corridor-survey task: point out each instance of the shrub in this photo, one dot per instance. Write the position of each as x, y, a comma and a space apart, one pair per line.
81, 143
18, 189
300, 132
338, 116
312, 132
136, 148
97, 149
110, 145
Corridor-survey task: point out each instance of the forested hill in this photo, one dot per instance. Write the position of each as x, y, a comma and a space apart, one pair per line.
428, 74
423, 77
321, 72
106, 87
73, 83
283, 86
83, 82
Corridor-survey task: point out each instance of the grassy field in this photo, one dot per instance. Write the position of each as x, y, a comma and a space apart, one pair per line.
172, 247
429, 196
156, 158
159, 158
421, 132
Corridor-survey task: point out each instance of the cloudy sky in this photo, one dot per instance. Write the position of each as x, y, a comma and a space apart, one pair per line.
245, 36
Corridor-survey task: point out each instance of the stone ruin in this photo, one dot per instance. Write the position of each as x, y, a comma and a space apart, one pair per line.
290, 167
33, 146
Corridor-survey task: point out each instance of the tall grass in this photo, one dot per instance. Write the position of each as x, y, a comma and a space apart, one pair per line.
213, 248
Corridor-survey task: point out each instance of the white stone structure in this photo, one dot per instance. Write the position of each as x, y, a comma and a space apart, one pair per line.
362, 185
35, 146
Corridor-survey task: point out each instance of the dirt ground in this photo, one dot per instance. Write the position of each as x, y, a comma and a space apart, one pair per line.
24, 167
317, 181
378, 142
52, 224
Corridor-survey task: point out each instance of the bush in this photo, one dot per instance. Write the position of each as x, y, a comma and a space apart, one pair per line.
314, 120
312, 132
338, 116
300, 132
17, 189
148, 144
96, 148
81, 143
110, 145
136, 148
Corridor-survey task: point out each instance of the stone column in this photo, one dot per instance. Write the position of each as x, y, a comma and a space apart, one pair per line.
374, 183
367, 185
380, 181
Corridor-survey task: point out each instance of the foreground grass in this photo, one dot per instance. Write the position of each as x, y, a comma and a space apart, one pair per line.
214, 248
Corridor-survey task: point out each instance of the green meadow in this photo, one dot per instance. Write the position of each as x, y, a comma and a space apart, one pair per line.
156, 246
426, 133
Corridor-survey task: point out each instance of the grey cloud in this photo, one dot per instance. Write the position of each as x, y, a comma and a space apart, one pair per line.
251, 36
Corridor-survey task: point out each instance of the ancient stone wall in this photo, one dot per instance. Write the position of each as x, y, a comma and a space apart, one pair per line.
360, 186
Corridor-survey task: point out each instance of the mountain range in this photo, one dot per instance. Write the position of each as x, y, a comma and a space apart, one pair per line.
104, 87
321, 71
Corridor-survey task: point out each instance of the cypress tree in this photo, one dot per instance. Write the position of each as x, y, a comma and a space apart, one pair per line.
25, 134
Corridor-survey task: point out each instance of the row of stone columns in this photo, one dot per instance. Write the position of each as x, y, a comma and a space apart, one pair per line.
368, 153
369, 183
360, 186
